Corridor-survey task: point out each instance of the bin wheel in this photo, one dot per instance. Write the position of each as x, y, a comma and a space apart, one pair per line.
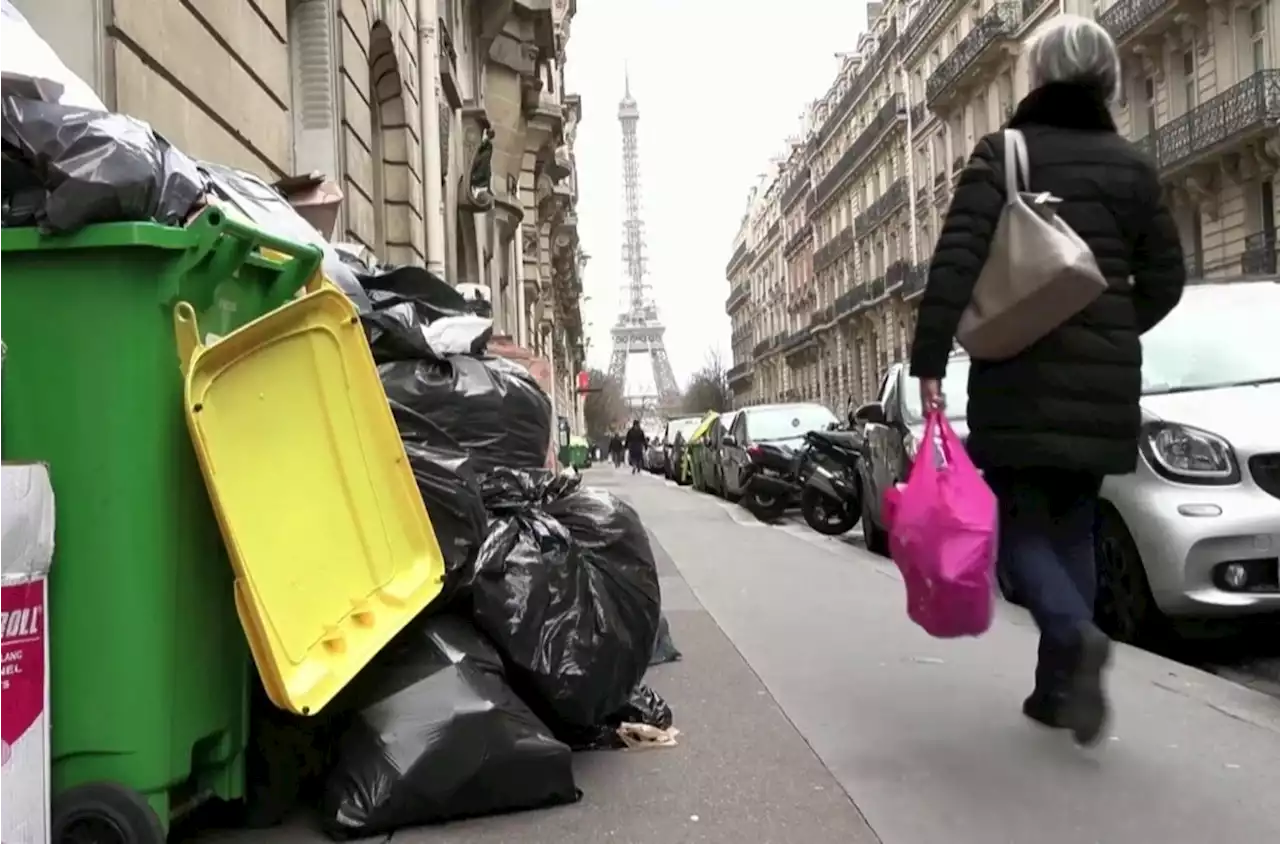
104, 813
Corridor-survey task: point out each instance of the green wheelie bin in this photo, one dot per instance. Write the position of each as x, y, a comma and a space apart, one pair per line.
149, 667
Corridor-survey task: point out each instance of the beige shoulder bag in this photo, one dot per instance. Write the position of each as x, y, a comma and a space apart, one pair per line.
1038, 275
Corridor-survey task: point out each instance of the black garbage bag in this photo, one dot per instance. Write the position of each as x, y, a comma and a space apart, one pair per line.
287, 760
98, 166
566, 586
439, 735
645, 706
24, 195
399, 333
490, 406
431, 296
664, 647
448, 486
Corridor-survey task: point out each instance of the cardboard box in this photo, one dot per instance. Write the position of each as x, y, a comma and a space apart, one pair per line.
26, 553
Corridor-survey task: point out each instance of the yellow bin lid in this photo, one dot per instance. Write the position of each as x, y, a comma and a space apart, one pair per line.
332, 548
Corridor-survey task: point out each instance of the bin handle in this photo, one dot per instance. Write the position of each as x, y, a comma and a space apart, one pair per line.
186, 332
242, 238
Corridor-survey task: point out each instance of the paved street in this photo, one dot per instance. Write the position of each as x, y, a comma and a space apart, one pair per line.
813, 711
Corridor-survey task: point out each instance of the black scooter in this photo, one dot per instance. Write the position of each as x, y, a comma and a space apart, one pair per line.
769, 486
827, 470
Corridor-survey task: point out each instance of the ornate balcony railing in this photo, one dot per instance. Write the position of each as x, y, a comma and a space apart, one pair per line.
810, 204
939, 179
1030, 7
892, 111
1000, 22
861, 81
737, 297
833, 250
1260, 254
913, 284
922, 195
1249, 105
799, 187
892, 199
795, 340
876, 289
917, 31
1123, 18
797, 240
739, 371
957, 164
896, 274
738, 256
847, 301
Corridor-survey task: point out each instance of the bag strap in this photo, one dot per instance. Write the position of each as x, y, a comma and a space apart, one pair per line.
1016, 164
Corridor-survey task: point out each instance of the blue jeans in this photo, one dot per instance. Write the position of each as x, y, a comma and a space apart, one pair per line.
1047, 521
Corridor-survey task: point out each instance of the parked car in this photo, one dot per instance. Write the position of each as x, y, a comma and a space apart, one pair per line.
708, 472
1195, 530
672, 442
751, 449
654, 456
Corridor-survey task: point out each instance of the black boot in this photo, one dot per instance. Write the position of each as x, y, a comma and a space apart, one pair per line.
1044, 705
1085, 710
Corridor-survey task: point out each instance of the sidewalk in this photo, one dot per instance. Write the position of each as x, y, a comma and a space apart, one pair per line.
926, 736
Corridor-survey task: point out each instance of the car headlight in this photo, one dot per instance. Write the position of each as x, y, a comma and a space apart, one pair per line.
1188, 455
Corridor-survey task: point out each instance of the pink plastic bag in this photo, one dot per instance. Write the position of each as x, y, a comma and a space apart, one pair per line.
942, 536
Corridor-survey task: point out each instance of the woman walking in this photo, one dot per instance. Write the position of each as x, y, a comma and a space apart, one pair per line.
1048, 424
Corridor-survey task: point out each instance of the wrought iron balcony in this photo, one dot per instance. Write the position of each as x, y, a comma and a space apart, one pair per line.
999, 23
1248, 107
922, 195
938, 179
810, 203
913, 284
739, 371
1125, 18
773, 230
1260, 253
876, 289
740, 254
799, 187
738, 296
891, 200
896, 274
763, 346
890, 113
795, 340
833, 249
797, 240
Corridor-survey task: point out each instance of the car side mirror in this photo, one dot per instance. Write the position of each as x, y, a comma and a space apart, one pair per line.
872, 412
729, 440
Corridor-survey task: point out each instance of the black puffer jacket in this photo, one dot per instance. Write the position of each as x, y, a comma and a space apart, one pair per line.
1070, 401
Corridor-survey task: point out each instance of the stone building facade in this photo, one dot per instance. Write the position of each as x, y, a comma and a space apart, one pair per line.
882, 150
390, 98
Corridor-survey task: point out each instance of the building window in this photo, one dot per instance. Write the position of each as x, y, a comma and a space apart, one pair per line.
1149, 102
1189, 79
1258, 36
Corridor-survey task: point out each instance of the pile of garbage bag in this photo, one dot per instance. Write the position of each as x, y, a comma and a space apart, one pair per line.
551, 612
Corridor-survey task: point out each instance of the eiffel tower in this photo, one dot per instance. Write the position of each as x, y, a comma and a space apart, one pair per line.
638, 330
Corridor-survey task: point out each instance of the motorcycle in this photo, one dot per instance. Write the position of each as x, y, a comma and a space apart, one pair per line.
769, 487
827, 471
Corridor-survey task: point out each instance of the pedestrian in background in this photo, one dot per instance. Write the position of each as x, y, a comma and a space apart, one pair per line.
636, 442
616, 449
1048, 424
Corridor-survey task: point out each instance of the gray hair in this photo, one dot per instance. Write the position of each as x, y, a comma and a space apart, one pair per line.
1070, 48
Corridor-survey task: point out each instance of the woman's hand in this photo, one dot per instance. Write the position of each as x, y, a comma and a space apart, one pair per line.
931, 397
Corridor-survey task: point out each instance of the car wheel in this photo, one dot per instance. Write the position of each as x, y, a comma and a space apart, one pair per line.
827, 517
1124, 607
762, 506
875, 537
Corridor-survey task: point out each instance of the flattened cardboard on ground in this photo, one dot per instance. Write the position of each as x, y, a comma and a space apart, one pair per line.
26, 553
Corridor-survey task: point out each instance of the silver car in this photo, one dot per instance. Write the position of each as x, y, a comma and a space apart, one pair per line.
1195, 530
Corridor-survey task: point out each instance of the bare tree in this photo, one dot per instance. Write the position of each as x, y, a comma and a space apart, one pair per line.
709, 387
605, 408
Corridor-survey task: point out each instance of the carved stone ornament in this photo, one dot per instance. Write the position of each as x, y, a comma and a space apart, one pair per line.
530, 243
474, 195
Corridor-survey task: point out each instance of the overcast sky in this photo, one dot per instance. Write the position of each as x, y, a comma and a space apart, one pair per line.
720, 84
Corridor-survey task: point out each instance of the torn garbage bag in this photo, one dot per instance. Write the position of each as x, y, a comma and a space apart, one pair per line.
448, 487
398, 332
566, 585
98, 166
489, 405
645, 706
439, 735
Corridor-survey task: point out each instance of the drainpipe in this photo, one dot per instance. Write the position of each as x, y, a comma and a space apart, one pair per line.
428, 98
